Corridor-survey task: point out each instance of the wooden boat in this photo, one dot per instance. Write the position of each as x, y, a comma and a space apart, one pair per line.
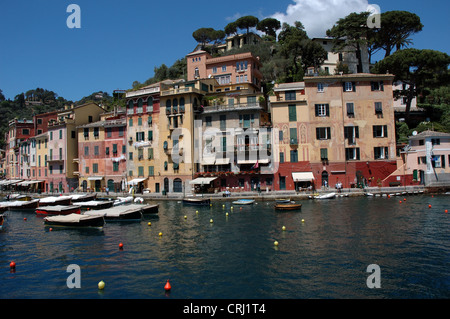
126, 213
22, 205
55, 200
2, 221
74, 220
19, 197
196, 201
58, 210
150, 209
290, 206
83, 197
123, 200
95, 204
326, 196
283, 200
244, 202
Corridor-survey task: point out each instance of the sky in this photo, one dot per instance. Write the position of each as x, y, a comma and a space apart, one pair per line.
119, 42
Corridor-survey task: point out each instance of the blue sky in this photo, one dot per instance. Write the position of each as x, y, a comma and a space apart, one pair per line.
122, 41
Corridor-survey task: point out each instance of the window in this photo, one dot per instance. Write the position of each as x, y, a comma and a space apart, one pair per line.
352, 153
107, 150
108, 132
224, 68
435, 141
208, 121
281, 157
381, 152
121, 131
60, 134
140, 136
421, 142
294, 156
349, 87
73, 134
323, 154
280, 135
115, 166
51, 136
90, 119
140, 121
140, 154
130, 156
124, 149
96, 150
223, 122
150, 135
322, 110
350, 110
292, 113
86, 133
140, 170
114, 149
214, 69
380, 131
351, 133
151, 171
438, 161
293, 136
378, 108
150, 153
150, 104
25, 131
130, 122
290, 95
320, 87
86, 170
323, 133
96, 133
377, 86
86, 150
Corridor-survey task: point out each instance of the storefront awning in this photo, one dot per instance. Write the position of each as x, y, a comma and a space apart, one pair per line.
202, 180
303, 176
136, 181
95, 178
12, 181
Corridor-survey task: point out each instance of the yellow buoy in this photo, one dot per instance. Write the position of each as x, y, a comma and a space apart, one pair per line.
231, 208
160, 234
303, 220
283, 228
101, 285
275, 243
211, 221
185, 216
226, 214
196, 211
149, 223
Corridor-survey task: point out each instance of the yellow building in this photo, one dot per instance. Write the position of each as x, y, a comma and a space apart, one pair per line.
41, 161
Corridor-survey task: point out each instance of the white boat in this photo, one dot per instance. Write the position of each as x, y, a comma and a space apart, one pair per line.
56, 200
75, 220
326, 196
132, 212
123, 200
244, 202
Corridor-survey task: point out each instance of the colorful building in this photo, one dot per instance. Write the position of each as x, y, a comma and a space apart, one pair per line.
63, 145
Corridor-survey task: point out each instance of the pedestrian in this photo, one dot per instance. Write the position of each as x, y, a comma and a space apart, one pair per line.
107, 190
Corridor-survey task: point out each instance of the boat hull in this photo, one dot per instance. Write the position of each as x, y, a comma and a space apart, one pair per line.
58, 210
150, 209
244, 202
288, 206
196, 202
2, 221
84, 198
21, 205
85, 222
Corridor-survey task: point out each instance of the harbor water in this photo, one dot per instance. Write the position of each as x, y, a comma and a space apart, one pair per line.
227, 251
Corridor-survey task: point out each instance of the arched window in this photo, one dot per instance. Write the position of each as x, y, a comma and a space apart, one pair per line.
177, 185
150, 104
182, 104
130, 108
324, 178
175, 106
140, 104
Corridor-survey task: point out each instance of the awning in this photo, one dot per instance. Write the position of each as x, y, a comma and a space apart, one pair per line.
95, 178
136, 181
222, 161
208, 160
303, 176
13, 181
202, 180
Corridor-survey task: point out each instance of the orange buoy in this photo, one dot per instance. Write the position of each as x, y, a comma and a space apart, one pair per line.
446, 211
120, 246
25, 218
404, 199
167, 287
400, 202
12, 265
429, 206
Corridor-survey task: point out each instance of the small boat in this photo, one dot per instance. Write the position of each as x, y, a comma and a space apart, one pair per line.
58, 210
283, 200
289, 206
56, 200
83, 197
74, 220
127, 213
150, 209
326, 196
19, 197
244, 202
95, 204
2, 221
21, 205
123, 200
196, 201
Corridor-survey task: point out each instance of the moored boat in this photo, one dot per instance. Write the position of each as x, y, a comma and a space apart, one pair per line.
290, 206
197, 201
150, 209
2, 221
74, 220
326, 196
283, 200
123, 200
127, 213
55, 200
83, 197
58, 210
95, 204
21, 205
244, 201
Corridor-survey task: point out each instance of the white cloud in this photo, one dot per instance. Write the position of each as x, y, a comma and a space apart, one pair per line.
319, 15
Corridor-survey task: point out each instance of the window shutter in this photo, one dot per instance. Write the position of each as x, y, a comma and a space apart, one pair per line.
385, 131
317, 109
317, 133
356, 131
328, 133
381, 86
354, 86
327, 109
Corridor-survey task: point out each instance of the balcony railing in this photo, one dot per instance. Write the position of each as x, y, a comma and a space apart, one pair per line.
233, 107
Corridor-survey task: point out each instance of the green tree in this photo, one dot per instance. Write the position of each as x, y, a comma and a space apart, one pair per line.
396, 29
269, 26
419, 69
247, 22
231, 28
203, 35
353, 28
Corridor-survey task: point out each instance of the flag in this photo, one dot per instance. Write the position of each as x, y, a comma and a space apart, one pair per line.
256, 165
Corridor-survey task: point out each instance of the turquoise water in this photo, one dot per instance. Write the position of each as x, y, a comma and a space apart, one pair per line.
324, 256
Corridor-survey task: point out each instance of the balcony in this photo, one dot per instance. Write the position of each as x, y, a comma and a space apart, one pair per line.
256, 106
